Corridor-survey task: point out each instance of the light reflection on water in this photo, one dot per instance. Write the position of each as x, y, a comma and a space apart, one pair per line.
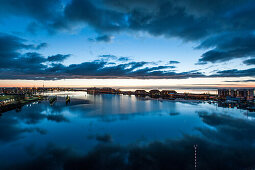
136, 133
195, 91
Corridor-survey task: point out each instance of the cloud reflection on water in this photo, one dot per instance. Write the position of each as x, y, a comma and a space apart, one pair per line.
230, 145
225, 141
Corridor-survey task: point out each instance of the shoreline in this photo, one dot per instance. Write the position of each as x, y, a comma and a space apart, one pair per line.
243, 105
18, 104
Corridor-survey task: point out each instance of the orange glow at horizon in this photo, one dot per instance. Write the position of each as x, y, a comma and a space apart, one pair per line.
79, 83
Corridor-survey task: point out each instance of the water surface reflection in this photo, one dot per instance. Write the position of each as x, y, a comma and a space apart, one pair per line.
125, 132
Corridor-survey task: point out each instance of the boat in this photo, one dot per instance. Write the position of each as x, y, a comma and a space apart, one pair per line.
52, 100
67, 99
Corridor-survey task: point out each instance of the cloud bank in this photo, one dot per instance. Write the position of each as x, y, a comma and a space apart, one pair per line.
230, 35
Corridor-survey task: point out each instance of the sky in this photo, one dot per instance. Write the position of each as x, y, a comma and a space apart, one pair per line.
135, 43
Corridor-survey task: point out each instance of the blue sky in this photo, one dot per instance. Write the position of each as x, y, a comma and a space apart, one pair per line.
120, 43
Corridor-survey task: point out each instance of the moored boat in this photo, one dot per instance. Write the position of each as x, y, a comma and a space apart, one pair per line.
67, 99
52, 100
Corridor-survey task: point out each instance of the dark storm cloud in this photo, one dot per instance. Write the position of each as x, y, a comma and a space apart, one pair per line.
160, 17
96, 69
124, 59
108, 56
10, 47
32, 65
235, 73
18, 63
84, 11
104, 38
42, 45
58, 58
230, 34
224, 27
249, 61
43, 13
33, 28
228, 46
190, 20
32, 59
30, 8
11, 44
174, 62
40, 9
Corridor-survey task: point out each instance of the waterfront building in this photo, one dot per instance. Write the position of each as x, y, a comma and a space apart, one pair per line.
154, 93
246, 94
140, 93
107, 90
168, 93
250, 94
93, 90
223, 93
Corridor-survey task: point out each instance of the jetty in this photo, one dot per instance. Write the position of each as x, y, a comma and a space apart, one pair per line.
67, 99
52, 99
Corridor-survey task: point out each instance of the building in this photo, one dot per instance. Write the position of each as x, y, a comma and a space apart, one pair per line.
10, 98
250, 95
140, 93
107, 90
223, 93
245, 94
93, 90
154, 93
168, 93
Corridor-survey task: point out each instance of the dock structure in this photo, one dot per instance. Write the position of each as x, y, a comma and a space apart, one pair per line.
52, 99
68, 99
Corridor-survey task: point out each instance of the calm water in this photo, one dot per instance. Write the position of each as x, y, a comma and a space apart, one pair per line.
126, 132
